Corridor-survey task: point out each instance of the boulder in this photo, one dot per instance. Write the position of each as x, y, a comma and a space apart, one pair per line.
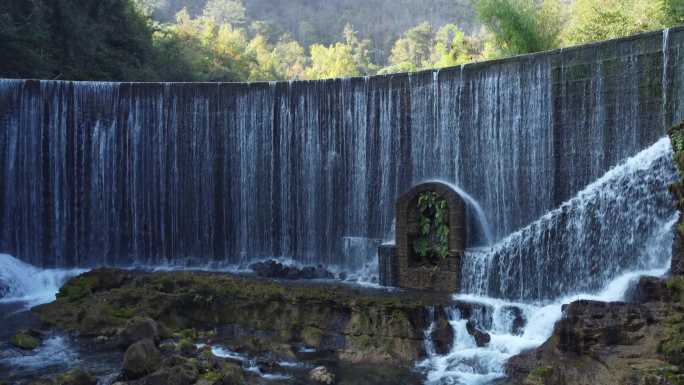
141, 358
650, 289
231, 374
322, 375
76, 377
482, 338
26, 340
184, 374
136, 329
591, 325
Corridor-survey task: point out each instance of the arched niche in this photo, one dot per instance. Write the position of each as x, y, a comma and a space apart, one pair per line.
409, 263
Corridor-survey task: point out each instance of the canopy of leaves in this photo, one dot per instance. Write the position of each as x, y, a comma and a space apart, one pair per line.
521, 26
75, 39
331, 62
220, 40
594, 20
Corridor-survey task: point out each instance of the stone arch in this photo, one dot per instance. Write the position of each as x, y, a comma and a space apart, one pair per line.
400, 263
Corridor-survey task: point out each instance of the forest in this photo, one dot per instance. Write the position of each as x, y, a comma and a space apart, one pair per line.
261, 40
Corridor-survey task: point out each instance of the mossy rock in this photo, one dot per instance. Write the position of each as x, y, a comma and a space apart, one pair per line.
540, 376
76, 377
232, 374
23, 340
186, 347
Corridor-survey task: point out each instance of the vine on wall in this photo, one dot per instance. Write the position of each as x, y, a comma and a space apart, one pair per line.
433, 239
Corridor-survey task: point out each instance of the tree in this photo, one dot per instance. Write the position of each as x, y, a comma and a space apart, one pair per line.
594, 20
360, 50
674, 11
71, 39
521, 26
266, 66
292, 59
226, 12
451, 47
414, 48
333, 61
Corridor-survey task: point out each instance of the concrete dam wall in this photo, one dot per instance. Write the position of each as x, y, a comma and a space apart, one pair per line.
199, 174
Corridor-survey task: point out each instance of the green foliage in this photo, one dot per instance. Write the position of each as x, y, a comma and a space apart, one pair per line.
225, 12
677, 139
452, 48
673, 11
414, 47
433, 228
234, 40
185, 346
594, 20
521, 26
75, 39
330, 62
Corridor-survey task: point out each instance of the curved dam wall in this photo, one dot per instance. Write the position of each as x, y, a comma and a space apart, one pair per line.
124, 173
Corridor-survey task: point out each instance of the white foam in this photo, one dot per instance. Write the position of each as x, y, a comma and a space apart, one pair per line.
30, 284
469, 365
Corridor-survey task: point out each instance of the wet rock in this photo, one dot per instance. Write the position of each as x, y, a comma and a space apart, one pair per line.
443, 334
482, 338
322, 375
136, 329
26, 340
650, 289
274, 269
268, 366
518, 321
357, 325
140, 359
76, 377
342, 276
591, 325
174, 372
230, 374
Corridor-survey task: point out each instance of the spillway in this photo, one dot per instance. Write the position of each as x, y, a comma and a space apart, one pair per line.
192, 174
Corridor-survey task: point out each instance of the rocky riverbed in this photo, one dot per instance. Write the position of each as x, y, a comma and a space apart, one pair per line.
219, 328
140, 328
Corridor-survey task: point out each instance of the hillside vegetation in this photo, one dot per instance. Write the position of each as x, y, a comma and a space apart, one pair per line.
250, 40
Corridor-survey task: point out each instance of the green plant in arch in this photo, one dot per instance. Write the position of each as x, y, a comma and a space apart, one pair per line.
433, 229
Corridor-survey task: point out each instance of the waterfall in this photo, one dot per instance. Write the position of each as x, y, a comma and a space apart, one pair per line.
209, 174
594, 247
610, 227
467, 364
28, 284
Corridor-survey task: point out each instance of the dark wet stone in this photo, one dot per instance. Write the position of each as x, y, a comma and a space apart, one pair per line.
141, 359
443, 334
519, 322
76, 377
482, 338
136, 329
650, 289
275, 269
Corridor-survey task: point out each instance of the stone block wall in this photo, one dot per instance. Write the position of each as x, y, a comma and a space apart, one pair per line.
677, 189
397, 262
